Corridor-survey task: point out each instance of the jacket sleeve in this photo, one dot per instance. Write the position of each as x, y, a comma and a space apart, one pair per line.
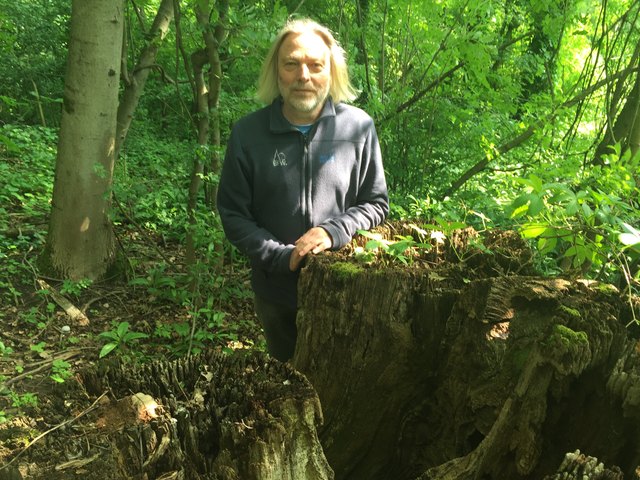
234, 202
372, 199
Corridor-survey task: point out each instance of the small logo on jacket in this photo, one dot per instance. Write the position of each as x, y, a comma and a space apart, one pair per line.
279, 159
326, 158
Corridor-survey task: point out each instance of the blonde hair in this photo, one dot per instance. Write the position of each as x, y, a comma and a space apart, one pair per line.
340, 89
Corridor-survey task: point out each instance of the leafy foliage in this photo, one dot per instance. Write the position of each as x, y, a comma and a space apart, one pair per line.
26, 166
120, 338
33, 42
503, 95
585, 225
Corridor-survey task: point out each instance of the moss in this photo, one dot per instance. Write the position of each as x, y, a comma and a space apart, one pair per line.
571, 311
565, 336
345, 270
604, 288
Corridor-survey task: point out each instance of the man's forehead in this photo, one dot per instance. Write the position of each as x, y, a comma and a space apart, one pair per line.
307, 43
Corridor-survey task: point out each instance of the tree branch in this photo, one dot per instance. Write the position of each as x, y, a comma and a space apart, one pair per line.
528, 133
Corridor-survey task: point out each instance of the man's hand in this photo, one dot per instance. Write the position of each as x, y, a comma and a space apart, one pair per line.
314, 241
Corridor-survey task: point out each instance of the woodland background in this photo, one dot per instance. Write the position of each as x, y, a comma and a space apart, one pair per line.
512, 114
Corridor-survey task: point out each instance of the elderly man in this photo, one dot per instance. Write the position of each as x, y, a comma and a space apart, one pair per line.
300, 175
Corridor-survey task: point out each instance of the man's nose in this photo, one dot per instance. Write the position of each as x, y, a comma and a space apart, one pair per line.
304, 73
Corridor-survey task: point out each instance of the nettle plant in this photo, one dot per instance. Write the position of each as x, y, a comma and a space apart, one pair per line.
585, 228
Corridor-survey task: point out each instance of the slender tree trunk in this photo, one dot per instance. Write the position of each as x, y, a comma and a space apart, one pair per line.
383, 46
198, 61
362, 16
208, 90
80, 242
214, 36
134, 83
626, 130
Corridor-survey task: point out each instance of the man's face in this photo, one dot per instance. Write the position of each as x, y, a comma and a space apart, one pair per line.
304, 76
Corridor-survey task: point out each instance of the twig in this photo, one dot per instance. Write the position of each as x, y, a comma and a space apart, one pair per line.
39, 103
53, 429
42, 365
86, 306
15, 339
75, 314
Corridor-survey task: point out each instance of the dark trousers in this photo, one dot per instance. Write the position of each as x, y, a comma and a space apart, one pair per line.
279, 325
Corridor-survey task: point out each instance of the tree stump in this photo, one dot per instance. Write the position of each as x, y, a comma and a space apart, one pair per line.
466, 371
217, 417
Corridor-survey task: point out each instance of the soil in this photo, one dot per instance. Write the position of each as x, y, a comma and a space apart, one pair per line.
39, 339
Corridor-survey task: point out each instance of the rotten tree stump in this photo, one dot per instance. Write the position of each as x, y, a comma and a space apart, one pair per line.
214, 417
426, 373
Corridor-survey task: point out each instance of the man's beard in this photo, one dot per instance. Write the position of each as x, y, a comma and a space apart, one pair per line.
307, 103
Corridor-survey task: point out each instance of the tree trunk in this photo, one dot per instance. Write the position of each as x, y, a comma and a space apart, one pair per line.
214, 36
80, 242
472, 370
215, 417
198, 62
208, 88
134, 83
626, 129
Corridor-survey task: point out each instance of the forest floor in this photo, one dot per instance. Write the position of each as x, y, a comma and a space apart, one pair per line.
45, 410
45, 342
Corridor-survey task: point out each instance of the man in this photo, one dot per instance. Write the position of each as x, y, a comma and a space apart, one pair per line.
301, 175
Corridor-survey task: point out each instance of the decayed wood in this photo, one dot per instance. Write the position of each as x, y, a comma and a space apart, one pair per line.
362, 345
577, 466
424, 374
74, 313
218, 417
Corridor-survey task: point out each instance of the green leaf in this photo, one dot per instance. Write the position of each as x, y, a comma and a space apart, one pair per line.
9, 145
520, 201
111, 335
536, 205
107, 349
571, 251
547, 245
520, 211
533, 230
371, 235
399, 248
133, 336
374, 245
122, 329
536, 183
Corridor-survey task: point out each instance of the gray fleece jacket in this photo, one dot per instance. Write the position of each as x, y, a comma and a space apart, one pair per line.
277, 183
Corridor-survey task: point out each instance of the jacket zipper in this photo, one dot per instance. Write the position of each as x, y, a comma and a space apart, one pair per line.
306, 179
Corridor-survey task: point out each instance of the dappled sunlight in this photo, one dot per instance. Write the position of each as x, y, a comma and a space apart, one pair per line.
86, 223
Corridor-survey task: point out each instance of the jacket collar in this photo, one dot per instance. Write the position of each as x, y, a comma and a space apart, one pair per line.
279, 124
